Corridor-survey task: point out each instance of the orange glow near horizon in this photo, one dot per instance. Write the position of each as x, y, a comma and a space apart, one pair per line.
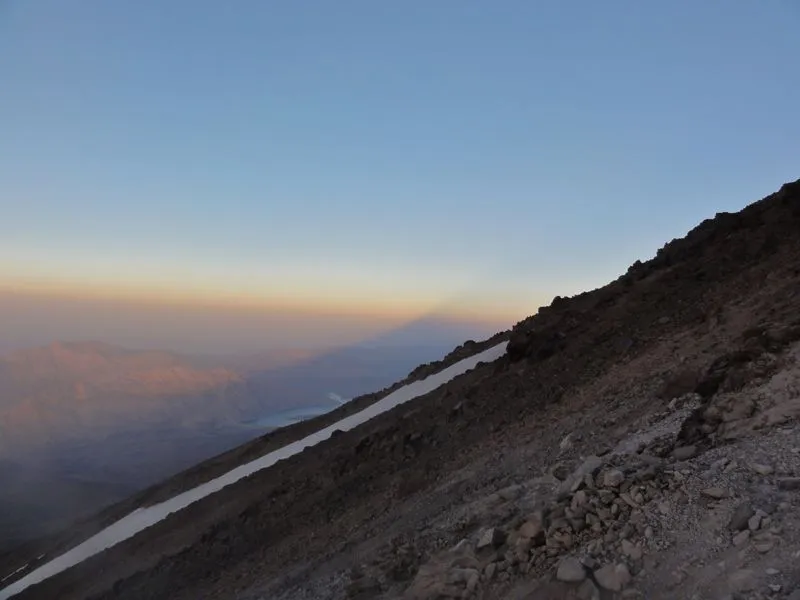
39, 312
322, 303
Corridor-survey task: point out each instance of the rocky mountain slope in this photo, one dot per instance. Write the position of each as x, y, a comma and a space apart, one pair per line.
637, 441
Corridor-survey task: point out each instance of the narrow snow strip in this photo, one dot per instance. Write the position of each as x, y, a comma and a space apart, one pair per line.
10, 575
142, 518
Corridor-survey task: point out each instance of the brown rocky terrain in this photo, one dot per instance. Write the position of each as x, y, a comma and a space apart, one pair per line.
637, 441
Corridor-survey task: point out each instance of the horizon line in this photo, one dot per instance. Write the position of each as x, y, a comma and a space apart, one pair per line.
382, 309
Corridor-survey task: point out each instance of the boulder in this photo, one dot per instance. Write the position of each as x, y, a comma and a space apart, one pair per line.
579, 500
684, 452
613, 577
613, 478
717, 493
570, 570
491, 537
762, 469
741, 538
631, 550
741, 516
532, 530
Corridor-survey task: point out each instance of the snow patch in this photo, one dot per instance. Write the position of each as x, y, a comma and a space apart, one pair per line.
337, 398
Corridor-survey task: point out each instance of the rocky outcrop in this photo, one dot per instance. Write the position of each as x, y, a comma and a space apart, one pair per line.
603, 536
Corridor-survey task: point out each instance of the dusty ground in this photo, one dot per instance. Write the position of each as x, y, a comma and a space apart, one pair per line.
680, 378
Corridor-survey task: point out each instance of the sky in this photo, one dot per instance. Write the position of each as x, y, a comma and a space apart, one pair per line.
369, 163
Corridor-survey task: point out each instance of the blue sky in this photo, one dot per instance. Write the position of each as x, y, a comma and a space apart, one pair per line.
485, 155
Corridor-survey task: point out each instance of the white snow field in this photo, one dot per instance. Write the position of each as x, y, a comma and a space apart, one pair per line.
142, 518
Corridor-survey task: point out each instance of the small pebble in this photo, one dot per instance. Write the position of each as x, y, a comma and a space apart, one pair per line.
764, 547
762, 469
716, 493
741, 538
754, 522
